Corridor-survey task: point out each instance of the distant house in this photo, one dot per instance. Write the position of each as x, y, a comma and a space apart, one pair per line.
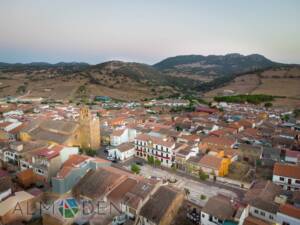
73, 170
261, 201
291, 156
162, 207
161, 149
288, 214
287, 176
122, 152
120, 136
270, 156
217, 210
214, 165
47, 161
216, 142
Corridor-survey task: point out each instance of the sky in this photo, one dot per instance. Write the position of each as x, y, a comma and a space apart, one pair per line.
146, 31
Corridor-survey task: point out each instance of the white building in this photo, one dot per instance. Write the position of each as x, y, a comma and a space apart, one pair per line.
161, 149
120, 136
216, 210
287, 176
122, 152
288, 215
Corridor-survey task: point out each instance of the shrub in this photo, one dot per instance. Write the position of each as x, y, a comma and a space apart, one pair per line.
135, 168
157, 162
202, 197
150, 160
202, 175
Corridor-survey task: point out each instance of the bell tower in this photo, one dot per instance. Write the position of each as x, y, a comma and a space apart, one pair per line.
89, 129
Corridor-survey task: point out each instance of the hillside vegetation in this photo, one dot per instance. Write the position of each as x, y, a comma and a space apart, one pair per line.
193, 75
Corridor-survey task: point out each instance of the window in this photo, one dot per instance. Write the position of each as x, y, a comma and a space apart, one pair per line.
271, 217
285, 223
297, 181
210, 218
256, 211
281, 178
203, 215
262, 213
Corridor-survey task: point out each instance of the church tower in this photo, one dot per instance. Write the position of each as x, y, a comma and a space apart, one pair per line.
89, 129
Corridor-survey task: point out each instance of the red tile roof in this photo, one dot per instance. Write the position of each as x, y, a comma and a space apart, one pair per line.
50, 153
218, 140
211, 162
290, 210
287, 170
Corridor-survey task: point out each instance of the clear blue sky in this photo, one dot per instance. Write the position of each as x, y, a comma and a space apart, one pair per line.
147, 30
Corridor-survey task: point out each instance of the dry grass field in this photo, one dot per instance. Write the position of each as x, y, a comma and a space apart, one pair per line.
277, 82
60, 88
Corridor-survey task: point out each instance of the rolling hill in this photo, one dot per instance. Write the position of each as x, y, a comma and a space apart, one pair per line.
129, 80
210, 67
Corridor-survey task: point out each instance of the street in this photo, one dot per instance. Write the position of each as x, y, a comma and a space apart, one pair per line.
199, 192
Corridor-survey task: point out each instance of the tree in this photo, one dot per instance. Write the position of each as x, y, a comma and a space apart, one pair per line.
202, 175
88, 151
157, 162
150, 160
135, 168
268, 104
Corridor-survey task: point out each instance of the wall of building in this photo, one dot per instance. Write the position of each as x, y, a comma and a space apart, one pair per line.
293, 185
281, 218
262, 214
205, 219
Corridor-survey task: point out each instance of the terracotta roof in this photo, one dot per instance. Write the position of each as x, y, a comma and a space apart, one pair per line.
290, 210
120, 191
50, 153
250, 220
118, 132
218, 140
125, 147
292, 154
157, 206
211, 162
220, 207
75, 160
155, 140
287, 170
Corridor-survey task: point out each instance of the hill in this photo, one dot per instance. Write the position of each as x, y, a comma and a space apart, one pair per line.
282, 81
129, 80
207, 68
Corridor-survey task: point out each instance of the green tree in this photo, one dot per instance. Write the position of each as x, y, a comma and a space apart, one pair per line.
135, 168
150, 160
157, 162
268, 104
202, 175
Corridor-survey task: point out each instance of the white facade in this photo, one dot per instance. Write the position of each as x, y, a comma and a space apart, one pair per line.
162, 153
284, 219
207, 219
67, 151
262, 214
287, 183
128, 135
121, 155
